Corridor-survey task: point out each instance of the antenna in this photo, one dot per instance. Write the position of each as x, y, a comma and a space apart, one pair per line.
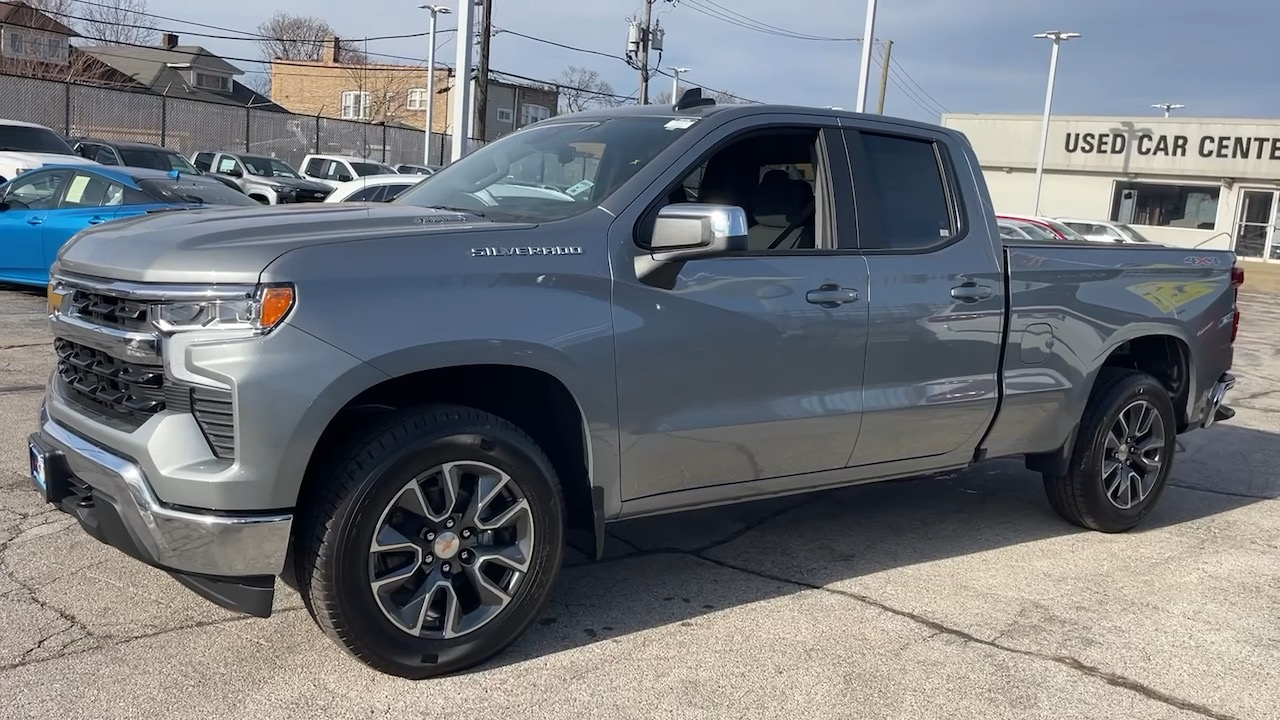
692, 98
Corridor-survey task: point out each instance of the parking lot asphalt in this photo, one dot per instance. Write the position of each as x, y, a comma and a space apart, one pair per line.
949, 597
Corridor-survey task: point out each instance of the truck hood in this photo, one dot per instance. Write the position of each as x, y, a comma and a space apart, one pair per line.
32, 160
234, 245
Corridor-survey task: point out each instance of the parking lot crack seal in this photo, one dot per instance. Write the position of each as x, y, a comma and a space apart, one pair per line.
20, 389
23, 345
938, 628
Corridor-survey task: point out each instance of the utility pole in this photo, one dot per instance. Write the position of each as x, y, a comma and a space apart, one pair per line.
884, 74
676, 72
435, 10
1168, 107
1056, 37
482, 68
641, 39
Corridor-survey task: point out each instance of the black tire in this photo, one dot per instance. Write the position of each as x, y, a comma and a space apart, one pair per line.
1080, 496
337, 524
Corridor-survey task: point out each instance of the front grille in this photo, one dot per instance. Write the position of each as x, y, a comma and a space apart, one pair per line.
122, 390
112, 312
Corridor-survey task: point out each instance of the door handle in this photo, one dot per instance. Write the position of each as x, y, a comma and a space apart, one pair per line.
96, 220
830, 295
35, 221
970, 292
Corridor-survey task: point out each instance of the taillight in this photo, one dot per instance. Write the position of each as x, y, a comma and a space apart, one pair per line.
1237, 279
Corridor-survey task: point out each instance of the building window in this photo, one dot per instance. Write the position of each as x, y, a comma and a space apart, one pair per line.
417, 99
505, 115
28, 44
209, 81
355, 105
530, 114
1184, 206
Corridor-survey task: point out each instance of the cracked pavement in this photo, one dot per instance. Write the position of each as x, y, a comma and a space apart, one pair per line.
960, 595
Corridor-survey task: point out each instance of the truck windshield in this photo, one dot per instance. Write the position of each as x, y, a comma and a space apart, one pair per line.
1132, 234
22, 138
549, 172
156, 160
269, 167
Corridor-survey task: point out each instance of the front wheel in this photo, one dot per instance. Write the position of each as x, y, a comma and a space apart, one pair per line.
1122, 456
434, 544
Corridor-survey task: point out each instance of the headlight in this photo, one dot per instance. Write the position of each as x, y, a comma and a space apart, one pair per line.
262, 312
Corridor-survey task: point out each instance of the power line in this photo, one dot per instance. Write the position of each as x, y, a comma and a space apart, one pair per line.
611, 56
724, 14
893, 62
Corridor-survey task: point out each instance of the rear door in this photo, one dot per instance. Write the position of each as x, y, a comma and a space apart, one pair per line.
937, 306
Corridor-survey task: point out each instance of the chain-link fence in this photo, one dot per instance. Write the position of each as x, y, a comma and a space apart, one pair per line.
191, 126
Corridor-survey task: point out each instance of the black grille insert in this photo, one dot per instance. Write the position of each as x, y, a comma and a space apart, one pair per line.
213, 411
110, 311
117, 388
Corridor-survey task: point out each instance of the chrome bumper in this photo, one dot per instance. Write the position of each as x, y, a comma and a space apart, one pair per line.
1216, 397
188, 542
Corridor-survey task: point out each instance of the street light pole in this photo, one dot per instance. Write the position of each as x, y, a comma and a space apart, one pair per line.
431, 78
462, 110
676, 72
868, 39
1167, 107
1057, 36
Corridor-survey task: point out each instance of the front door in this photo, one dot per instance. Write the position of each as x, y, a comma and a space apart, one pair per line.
1255, 225
736, 371
28, 201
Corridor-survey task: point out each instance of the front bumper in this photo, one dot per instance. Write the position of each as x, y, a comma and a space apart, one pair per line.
1215, 410
230, 559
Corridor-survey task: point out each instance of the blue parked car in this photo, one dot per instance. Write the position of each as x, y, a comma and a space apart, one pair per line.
40, 210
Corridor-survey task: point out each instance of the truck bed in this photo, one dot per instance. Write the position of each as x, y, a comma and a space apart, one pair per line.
1072, 305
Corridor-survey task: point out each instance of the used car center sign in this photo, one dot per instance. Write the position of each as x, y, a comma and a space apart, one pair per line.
1226, 147
1176, 148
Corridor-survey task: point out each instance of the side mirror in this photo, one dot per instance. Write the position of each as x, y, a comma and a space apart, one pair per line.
687, 231
235, 172
343, 177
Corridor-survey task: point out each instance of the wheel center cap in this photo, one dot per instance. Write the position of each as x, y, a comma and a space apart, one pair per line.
446, 545
1124, 452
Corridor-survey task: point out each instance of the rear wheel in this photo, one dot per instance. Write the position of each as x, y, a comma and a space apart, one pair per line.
434, 544
1122, 456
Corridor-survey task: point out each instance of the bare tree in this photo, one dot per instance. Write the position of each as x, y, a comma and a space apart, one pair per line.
387, 89
302, 37
60, 10
116, 22
582, 89
724, 98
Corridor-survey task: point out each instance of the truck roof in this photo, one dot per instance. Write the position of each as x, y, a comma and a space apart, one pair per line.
737, 110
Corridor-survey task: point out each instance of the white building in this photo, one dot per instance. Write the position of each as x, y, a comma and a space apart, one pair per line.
1190, 182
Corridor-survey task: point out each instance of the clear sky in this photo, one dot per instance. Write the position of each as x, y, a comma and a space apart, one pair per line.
958, 55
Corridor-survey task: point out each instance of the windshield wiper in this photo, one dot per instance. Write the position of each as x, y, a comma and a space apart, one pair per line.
451, 208
196, 199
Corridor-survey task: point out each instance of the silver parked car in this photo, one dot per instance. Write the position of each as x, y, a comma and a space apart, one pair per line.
1104, 231
270, 181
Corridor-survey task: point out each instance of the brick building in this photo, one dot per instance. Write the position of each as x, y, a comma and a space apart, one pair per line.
396, 93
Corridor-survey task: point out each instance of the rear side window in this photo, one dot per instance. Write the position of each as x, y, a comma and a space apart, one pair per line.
204, 161
902, 180
315, 167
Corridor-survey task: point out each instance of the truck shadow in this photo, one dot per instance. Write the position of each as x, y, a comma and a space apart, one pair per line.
674, 570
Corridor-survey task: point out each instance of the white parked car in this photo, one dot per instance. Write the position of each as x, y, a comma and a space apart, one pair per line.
333, 170
1104, 231
374, 188
26, 146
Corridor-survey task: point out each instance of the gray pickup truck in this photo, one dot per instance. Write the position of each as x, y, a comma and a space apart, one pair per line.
407, 410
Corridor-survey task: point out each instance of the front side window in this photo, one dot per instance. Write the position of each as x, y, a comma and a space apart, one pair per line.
228, 165
1161, 205
903, 185
550, 172
37, 191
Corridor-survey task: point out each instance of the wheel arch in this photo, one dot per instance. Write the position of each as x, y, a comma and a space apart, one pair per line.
1161, 351
535, 399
